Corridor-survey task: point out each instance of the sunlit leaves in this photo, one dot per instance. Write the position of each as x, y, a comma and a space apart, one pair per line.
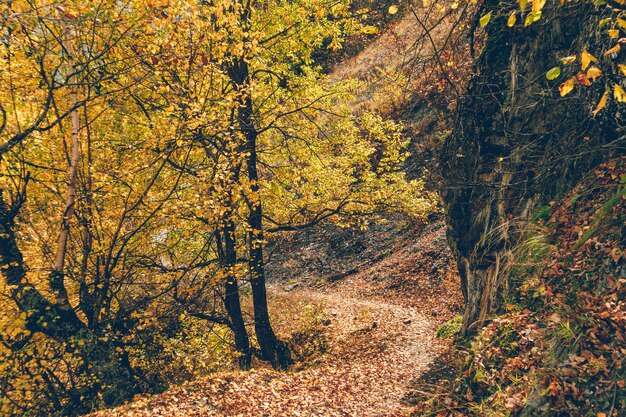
393, 9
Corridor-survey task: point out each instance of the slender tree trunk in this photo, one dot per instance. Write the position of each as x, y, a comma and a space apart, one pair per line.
232, 301
273, 349
57, 276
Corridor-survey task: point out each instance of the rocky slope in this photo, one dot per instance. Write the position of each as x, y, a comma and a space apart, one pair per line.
517, 144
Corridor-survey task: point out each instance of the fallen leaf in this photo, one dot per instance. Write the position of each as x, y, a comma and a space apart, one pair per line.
567, 86
613, 50
619, 93
601, 103
370, 30
582, 79
586, 59
593, 72
485, 20
553, 73
512, 19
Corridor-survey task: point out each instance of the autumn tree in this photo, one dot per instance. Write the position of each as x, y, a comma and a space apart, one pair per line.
147, 151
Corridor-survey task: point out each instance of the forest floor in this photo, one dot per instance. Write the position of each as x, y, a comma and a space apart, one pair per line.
361, 339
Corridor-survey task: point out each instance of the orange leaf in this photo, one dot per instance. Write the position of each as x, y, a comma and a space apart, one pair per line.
601, 103
567, 86
582, 79
613, 50
593, 72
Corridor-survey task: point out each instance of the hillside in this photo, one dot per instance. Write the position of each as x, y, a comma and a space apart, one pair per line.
559, 348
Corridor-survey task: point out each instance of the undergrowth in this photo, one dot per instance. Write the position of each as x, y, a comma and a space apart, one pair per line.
560, 348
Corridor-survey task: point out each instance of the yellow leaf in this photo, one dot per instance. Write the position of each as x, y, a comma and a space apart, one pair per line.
568, 59
393, 9
622, 68
485, 19
532, 18
586, 59
593, 72
370, 30
619, 93
512, 20
522, 4
553, 73
567, 86
601, 103
604, 22
613, 33
538, 5
613, 50
621, 23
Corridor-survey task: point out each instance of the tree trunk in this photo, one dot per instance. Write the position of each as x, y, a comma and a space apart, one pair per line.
273, 349
232, 301
57, 275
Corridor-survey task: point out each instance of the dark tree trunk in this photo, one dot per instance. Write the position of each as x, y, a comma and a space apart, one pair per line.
517, 144
273, 349
232, 301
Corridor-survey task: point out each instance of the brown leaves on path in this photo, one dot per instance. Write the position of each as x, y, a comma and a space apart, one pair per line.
374, 349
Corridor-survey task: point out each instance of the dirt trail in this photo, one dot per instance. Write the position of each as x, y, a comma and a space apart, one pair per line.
374, 349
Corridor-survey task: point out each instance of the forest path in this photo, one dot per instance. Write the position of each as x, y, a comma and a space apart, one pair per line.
373, 348
376, 346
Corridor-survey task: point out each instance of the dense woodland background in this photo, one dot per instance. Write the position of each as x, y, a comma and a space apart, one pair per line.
312, 207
